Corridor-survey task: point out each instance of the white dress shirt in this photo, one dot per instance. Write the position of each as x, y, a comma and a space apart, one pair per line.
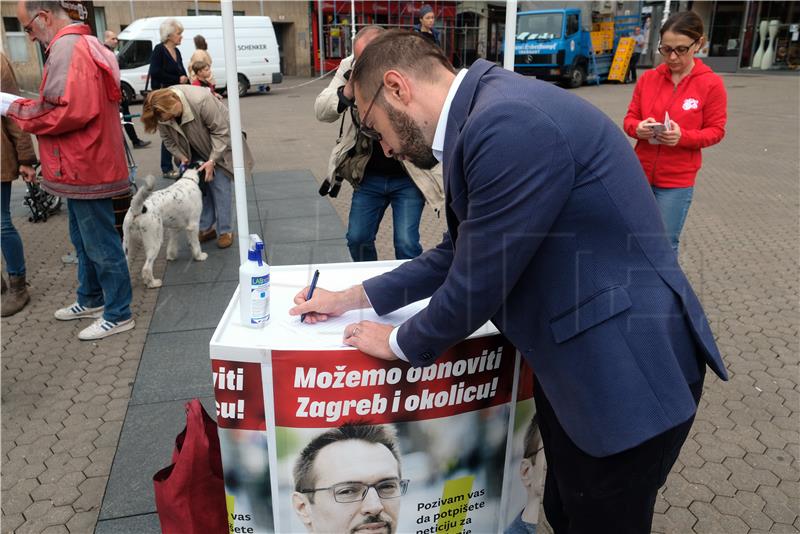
438, 152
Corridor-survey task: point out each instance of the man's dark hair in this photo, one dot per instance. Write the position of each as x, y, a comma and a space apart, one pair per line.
377, 434
533, 439
686, 23
403, 50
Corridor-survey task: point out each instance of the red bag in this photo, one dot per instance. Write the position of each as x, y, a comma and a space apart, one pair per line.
190, 493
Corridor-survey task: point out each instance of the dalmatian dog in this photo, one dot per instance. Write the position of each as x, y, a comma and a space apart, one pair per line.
176, 208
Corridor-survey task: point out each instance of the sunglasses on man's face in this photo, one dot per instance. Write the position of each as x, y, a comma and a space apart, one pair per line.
367, 130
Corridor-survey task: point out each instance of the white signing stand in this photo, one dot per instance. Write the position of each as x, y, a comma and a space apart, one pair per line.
278, 387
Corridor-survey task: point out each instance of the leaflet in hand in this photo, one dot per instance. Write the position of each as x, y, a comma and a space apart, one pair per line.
6, 99
658, 128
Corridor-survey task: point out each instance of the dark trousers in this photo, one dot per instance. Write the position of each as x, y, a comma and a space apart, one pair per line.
166, 159
632, 66
129, 129
584, 494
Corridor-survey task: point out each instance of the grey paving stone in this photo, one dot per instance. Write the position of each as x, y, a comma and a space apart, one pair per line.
191, 307
737, 249
138, 524
264, 177
221, 265
310, 207
145, 447
174, 365
302, 229
330, 251
303, 188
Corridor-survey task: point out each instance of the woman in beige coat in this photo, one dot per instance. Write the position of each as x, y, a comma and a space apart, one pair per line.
18, 157
195, 126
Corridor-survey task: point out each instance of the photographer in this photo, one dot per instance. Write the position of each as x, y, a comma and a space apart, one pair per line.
377, 180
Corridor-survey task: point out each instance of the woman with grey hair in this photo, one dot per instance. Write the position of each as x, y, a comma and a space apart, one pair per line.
166, 69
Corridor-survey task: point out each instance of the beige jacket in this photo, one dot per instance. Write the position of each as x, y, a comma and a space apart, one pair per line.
17, 147
326, 109
205, 126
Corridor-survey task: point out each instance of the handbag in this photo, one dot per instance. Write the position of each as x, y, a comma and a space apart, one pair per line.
190, 493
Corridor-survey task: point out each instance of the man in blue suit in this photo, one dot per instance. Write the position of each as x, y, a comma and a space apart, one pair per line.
554, 236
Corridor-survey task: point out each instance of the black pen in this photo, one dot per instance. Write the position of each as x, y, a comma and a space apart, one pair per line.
310, 292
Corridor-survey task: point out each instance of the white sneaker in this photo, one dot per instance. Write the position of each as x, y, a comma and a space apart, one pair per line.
102, 328
76, 311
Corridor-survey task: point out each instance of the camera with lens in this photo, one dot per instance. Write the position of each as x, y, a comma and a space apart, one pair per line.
331, 187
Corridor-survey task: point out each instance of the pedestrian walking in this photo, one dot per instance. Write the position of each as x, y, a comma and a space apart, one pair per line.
378, 180
111, 42
686, 92
201, 54
18, 158
76, 120
166, 69
638, 48
427, 21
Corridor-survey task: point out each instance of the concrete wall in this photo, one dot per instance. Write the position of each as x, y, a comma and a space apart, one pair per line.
29, 72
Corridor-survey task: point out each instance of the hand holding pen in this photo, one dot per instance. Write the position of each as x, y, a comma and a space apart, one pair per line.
310, 293
319, 304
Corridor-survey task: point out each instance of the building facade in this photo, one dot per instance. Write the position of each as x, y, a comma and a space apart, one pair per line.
314, 35
290, 20
735, 31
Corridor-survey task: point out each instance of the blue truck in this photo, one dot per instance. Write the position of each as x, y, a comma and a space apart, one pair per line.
556, 45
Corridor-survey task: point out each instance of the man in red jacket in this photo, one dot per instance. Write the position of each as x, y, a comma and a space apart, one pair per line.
76, 119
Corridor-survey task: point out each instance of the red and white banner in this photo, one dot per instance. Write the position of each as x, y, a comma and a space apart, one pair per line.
314, 392
239, 395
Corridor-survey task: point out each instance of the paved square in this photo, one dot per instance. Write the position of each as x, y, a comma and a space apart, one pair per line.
64, 401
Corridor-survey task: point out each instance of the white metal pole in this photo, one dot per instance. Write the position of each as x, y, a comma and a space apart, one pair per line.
353, 20
196, 8
229, 43
666, 13
261, 6
511, 35
133, 13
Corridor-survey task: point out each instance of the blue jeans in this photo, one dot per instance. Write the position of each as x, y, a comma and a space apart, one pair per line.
674, 205
11, 242
217, 204
370, 201
103, 278
166, 159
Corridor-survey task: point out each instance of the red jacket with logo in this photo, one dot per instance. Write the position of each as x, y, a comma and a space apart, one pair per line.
698, 104
76, 118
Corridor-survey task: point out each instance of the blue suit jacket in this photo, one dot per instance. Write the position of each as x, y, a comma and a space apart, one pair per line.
554, 235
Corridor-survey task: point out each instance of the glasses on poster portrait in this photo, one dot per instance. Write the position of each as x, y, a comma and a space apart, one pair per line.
367, 130
28, 28
350, 492
667, 51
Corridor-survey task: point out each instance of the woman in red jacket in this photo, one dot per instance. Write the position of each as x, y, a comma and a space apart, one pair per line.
695, 100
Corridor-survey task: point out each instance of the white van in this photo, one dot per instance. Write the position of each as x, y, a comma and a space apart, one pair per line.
257, 57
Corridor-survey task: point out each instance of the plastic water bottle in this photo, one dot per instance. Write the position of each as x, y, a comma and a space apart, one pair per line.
254, 286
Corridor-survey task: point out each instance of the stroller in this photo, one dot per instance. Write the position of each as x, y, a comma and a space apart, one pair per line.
41, 203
